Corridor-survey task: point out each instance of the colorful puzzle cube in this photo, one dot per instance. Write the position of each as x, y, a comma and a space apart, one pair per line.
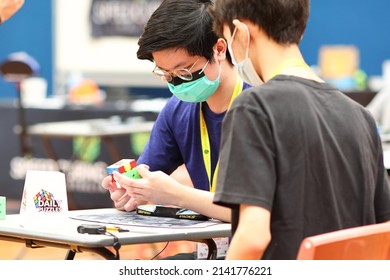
122, 166
125, 167
133, 174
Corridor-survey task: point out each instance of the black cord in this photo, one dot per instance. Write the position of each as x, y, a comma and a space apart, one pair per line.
116, 244
102, 230
166, 245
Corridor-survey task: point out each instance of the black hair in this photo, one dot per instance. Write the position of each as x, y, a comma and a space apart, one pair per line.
284, 21
179, 24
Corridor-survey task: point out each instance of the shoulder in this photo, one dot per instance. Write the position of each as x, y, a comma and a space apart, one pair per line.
284, 90
261, 92
252, 97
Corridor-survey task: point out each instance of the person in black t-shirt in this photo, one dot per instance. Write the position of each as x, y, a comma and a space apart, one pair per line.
297, 158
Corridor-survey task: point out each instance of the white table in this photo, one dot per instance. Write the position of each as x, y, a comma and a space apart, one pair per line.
61, 231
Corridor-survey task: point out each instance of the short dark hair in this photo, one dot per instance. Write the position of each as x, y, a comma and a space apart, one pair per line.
179, 24
284, 21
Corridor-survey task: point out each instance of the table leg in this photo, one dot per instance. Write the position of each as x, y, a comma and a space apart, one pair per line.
212, 254
104, 252
70, 255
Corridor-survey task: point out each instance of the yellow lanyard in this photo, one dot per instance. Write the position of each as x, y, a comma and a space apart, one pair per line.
290, 63
205, 141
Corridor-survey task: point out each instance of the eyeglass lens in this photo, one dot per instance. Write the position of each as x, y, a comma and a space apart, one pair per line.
184, 74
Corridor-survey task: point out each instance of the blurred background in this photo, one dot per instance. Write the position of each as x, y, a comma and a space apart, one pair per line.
60, 36
88, 69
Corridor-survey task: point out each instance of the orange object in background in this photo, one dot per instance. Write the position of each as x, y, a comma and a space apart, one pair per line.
339, 66
86, 92
338, 61
370, 242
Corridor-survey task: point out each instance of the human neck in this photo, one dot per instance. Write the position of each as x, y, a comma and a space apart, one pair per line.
220, 100
272, 55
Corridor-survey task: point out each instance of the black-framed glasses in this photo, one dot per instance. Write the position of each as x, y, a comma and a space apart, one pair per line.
184, 74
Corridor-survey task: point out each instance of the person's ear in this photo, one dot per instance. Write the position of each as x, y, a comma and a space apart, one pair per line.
254, 30
220, 49
227, 33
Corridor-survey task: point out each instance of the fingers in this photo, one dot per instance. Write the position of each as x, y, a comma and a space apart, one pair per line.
123, 201
130, 205
143, 166
137, 189
118, 194
122, 197
126, 182
132, 187
120, 179
107, 182
143, 170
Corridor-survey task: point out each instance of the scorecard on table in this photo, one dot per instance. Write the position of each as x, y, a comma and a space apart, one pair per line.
133, 219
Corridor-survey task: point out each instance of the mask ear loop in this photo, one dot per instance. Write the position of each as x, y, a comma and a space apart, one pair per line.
249, 40
204, 67
247, 47
220, 66
231, 47
219, 75
220, 70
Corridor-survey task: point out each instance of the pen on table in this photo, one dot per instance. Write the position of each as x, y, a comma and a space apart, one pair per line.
118, 229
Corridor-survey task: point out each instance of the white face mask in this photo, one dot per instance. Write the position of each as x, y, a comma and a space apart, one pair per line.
245, 68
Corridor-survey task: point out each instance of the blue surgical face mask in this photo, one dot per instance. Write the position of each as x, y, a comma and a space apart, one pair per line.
196, 90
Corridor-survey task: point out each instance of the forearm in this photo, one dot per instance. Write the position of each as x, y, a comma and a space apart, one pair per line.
241, 248
201, 202
252, 236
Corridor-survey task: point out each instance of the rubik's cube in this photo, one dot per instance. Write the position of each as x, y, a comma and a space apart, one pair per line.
125, 167
122, 166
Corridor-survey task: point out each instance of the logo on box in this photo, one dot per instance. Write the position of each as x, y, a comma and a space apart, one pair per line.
44, 192
45, 202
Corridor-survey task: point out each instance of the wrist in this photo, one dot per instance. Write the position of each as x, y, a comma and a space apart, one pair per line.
176, 195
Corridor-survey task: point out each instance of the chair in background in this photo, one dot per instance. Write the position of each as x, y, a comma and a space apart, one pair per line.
370, 242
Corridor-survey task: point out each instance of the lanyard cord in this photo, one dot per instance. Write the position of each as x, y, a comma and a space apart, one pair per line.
205, 141
290, 63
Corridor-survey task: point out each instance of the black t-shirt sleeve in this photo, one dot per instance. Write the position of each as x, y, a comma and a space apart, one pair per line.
246, 172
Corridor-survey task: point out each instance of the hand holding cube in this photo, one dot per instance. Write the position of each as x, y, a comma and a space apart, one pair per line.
125, 167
